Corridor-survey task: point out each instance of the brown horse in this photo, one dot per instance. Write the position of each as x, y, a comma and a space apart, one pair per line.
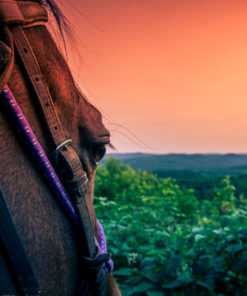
48, 236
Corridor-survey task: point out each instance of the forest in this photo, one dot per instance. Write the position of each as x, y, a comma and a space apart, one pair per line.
173, 236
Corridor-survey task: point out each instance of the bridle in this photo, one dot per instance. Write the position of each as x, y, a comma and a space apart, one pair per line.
14, 15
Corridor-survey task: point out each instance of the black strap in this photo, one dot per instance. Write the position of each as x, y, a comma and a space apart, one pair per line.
17, 258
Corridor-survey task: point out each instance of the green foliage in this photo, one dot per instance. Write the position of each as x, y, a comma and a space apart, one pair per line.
165, 241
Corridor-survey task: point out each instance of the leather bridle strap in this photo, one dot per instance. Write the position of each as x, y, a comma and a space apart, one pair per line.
76, 177
23, 13
16, 256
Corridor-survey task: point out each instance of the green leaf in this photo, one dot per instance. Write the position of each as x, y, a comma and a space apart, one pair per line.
155, 293
235, 248
199, 237
204, 285
172, 285
150, 275
126, 271
143, 287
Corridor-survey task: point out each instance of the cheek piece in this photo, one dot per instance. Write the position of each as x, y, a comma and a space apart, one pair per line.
60, 192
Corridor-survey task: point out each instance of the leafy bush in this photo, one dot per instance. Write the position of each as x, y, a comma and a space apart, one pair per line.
166, 242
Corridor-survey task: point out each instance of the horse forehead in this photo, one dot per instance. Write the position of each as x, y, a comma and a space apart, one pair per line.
72, 105
78, 111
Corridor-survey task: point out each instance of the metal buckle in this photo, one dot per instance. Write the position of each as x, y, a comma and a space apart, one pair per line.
61, 146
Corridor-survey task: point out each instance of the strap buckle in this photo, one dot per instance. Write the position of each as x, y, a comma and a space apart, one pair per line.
60, 147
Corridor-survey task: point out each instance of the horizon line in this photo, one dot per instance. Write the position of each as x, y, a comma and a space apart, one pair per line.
187, 153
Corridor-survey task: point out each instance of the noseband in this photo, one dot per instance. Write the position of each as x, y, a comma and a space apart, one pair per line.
14, 15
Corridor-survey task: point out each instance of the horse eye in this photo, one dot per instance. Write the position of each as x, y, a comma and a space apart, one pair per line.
99, 152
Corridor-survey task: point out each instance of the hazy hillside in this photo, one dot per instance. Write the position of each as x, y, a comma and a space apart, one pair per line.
219, 164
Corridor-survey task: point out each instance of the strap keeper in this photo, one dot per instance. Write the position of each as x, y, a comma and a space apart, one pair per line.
60, 147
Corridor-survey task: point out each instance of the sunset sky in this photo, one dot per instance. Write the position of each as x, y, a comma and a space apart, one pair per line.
167, 75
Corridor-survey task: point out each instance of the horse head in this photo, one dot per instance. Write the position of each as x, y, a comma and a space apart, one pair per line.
48, 236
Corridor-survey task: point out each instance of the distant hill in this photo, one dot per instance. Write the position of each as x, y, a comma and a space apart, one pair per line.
170, 164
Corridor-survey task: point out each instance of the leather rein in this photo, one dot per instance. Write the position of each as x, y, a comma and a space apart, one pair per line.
14, 15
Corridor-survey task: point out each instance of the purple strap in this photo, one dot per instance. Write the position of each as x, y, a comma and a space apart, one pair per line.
109, 265
48, 170
39, 154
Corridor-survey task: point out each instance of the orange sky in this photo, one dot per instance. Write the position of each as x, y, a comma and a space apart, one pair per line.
173, 72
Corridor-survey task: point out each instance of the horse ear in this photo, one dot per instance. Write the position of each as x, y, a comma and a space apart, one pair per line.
7, 59
111, 286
